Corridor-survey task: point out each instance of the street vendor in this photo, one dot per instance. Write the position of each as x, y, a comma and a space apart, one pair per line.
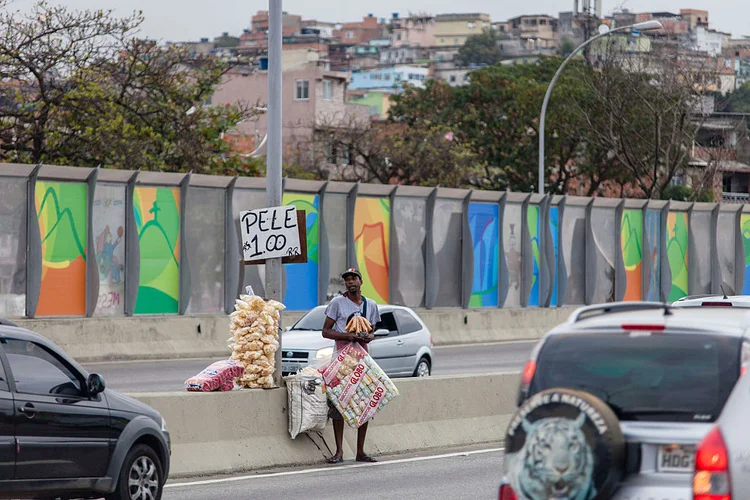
338, 313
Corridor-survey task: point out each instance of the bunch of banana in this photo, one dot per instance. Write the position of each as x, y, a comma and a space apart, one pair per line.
359, 325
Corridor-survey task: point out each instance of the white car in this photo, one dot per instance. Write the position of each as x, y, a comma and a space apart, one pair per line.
402, 346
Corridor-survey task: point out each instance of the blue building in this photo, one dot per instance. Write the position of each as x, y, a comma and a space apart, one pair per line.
389, 78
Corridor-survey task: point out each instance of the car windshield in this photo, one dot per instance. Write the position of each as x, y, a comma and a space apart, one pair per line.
644, 377
312, 321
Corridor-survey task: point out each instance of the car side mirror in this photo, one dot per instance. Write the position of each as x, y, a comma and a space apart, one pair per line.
382, 332
95, 384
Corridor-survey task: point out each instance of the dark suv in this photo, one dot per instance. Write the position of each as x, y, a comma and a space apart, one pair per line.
63, 435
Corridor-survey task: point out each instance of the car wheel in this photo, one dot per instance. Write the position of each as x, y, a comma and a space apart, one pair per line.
572, 432
140, 476
423, 368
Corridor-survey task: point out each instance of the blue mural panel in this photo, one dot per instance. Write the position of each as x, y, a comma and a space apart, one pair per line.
554, 225
483, 223
302, 279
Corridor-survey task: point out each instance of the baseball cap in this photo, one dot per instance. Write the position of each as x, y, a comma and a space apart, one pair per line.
351, 271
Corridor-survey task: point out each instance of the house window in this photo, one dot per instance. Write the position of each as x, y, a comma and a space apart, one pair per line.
349, 35
303, 90
398, 37
327, 90
453, 78
331, 154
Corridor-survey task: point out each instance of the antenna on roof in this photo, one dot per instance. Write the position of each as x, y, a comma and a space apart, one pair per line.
722, 291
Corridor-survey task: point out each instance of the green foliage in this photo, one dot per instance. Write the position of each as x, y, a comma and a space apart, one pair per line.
82, 90
684, 193
480, 49
738, 101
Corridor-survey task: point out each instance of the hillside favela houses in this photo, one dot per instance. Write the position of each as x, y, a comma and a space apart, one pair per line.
334, 71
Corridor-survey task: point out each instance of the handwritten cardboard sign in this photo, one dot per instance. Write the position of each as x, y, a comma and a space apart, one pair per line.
270, 233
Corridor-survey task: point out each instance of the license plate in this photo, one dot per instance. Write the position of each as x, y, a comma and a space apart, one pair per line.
675, 458
290, 367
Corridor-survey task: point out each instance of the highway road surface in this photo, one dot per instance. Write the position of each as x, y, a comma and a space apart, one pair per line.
170, 375
473, 474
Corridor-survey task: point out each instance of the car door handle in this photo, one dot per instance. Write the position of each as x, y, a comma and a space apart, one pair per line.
28, 410
399, 342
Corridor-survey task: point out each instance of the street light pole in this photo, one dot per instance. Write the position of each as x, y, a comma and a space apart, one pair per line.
273, 153
644, 26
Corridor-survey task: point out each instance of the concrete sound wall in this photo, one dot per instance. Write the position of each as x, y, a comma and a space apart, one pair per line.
214, 433
172, 337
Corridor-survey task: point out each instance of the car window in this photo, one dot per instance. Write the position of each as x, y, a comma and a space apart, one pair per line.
3, 382
38, 371
312, 321
388, 322
407, 323
644, 377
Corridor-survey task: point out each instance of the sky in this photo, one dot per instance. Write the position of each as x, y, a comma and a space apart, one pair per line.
185, 20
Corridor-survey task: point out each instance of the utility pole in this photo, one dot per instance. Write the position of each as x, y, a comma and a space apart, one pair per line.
273, 155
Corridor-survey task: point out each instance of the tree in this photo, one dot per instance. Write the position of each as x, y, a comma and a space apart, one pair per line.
567, 46
642, 111
738, 101
497, 117
480, 49
392, 153
79, 88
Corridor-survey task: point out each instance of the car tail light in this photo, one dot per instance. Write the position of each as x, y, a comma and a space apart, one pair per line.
507, 493
528, 373
711, 478
716, 304
643, 328
744, 358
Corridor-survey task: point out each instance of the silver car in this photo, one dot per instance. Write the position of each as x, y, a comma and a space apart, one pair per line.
402, 346
665, 371
722, 460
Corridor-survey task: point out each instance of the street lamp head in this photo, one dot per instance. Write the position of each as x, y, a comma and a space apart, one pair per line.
647, 25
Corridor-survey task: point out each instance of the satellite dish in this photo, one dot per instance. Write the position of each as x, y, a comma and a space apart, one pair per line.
603, 29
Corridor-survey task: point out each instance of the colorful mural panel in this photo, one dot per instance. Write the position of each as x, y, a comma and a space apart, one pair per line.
653, 232
61, 212
554, 227
745, 228
512, 247
483, 224
532, 219
302, 279
157, 218
631, 237
109, 237
677, 253
372, 226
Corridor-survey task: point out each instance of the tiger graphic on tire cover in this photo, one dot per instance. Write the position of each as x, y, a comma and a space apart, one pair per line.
555, 462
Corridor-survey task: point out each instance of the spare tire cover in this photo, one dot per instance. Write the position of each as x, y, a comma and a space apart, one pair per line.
564, 444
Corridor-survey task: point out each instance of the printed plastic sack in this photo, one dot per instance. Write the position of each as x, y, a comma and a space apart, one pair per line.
219, 375
356, 385
308, 407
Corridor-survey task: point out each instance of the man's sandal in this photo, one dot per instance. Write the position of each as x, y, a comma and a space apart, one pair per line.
366, 458
335, 460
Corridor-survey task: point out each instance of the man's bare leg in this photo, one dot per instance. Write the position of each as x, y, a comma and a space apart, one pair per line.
361, 435
338, 434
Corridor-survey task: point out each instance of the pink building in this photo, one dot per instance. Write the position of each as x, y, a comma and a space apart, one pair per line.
312, 98
413, 32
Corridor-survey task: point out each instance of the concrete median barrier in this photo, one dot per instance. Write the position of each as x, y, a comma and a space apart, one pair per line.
217, 433
173, 337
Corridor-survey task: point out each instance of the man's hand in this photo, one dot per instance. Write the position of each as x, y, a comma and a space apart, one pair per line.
368, 338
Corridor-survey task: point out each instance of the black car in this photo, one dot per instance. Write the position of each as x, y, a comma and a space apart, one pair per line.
63, 435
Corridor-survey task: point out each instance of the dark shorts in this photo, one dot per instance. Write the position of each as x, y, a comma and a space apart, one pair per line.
333, 413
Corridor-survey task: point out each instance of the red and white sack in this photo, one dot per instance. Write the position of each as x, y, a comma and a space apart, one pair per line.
356, 385
216, 376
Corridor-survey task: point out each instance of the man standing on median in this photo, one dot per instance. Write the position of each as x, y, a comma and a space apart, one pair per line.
338, 314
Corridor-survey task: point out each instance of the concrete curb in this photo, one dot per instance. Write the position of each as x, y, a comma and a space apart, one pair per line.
240, 431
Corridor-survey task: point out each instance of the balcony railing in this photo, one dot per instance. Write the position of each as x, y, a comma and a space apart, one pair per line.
736, 197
